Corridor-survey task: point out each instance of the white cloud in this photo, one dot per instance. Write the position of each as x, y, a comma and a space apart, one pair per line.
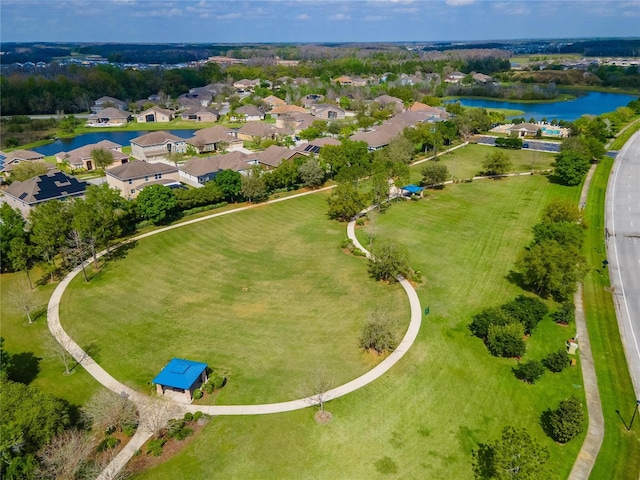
303, 16
229, 16
340, 16
459, 3
374, 18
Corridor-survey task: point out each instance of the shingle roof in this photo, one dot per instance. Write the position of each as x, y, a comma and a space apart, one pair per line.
75, 157
23, 155
155, 138
258, 129
288, 109
379, 137
199, 167
250, 111
214, 134
110, 112
158, 110
52, 185
274, 101
274, 155
179, 373
529, 127
139, 169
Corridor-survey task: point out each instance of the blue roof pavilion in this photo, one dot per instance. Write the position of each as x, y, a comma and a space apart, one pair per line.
414, 189
182, 376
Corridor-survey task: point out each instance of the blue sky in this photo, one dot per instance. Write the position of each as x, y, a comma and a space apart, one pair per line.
231, 21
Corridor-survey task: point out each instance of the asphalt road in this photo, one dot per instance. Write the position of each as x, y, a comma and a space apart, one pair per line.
623, 249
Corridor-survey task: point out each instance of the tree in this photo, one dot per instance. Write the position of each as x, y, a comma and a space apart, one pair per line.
560, 210
253, 186
378, 333
506, 340
65, 455
557, 361
311, 173
50, 225
105, 216
529, 372
157, 203
571, 167
78, 250
565, 313
26, 170
345, 202
371, 226
515, 456
565, 233
13, 226
230, 182
526, 310
315, 391
549, 268
24, 298
567, 420
155, 415
310, 133
107, 410
434, 173
479, 326
21, 255
101, 157
497, 163
389, 260
400, 150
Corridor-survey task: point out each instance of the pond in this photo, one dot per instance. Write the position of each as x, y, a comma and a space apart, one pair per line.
122, 138
591, 103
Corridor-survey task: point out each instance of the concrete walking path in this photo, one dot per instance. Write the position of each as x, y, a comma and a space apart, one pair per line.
595, 431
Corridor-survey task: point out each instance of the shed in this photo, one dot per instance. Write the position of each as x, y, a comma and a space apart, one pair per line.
179, 378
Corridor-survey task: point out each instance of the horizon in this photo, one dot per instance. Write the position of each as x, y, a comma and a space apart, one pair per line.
311, 21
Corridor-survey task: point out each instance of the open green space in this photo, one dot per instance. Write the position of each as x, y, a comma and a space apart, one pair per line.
467, 162
447, 395
265, 294
30, 344
624, 137
620, 453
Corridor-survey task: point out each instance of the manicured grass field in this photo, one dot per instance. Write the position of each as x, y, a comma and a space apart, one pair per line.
447, 395
266, 294
467, 162
28, 342
619, 456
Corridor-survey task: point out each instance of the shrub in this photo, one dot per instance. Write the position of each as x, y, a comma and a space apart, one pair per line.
557, 361
489, 316
218, 380
506, 340
389, 260
526, 310
208, 387
530, 371
514, 143
129, 430
377, 334
197, 394
154, 447
567, 420
188, 417
197, 416
108, 443
565, 313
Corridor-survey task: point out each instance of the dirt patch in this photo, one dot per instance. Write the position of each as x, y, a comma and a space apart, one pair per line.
322, 417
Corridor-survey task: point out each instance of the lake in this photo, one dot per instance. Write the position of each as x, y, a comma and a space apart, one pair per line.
122, 138
590, 103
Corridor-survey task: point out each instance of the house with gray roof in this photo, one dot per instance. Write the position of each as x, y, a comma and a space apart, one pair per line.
8, 161
248, 113
313, 146
200, 170
216, 138
257, 131
156, 146
105, 102
53, 185
108, 117
82, 157
130, 178
200, 114
155, 114
395, 103
274, 155
327, 112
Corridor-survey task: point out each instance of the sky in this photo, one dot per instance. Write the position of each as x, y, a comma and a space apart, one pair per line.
297, 21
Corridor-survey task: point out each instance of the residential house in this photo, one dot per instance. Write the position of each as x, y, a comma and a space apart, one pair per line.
482, 78
155, 114
130, 178
286, 110
180, 378
156, 146
524, 129
213, 139
8, 161
108, 117
439, 113
274, 155
246, 84
248, 113
380, 137
82, 157
294, 123
274, 101
105, 102
344, 81
313, 147
200, 170
395, 103
256, 132
327, 112
200, 114
53, 185
312, 99
454, 77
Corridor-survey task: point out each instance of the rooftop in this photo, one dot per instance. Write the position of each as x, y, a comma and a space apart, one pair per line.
180, 373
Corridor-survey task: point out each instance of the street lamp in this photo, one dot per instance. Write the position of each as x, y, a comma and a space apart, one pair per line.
635, 410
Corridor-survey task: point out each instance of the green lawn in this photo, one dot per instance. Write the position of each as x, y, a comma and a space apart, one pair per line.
263, 294
27, 342
447, 394
467, 162
614, 383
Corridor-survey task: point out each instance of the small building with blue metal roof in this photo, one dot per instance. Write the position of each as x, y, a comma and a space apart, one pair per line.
180, 378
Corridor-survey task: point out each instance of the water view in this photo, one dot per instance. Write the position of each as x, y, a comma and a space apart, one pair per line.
591, 103
122, 138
